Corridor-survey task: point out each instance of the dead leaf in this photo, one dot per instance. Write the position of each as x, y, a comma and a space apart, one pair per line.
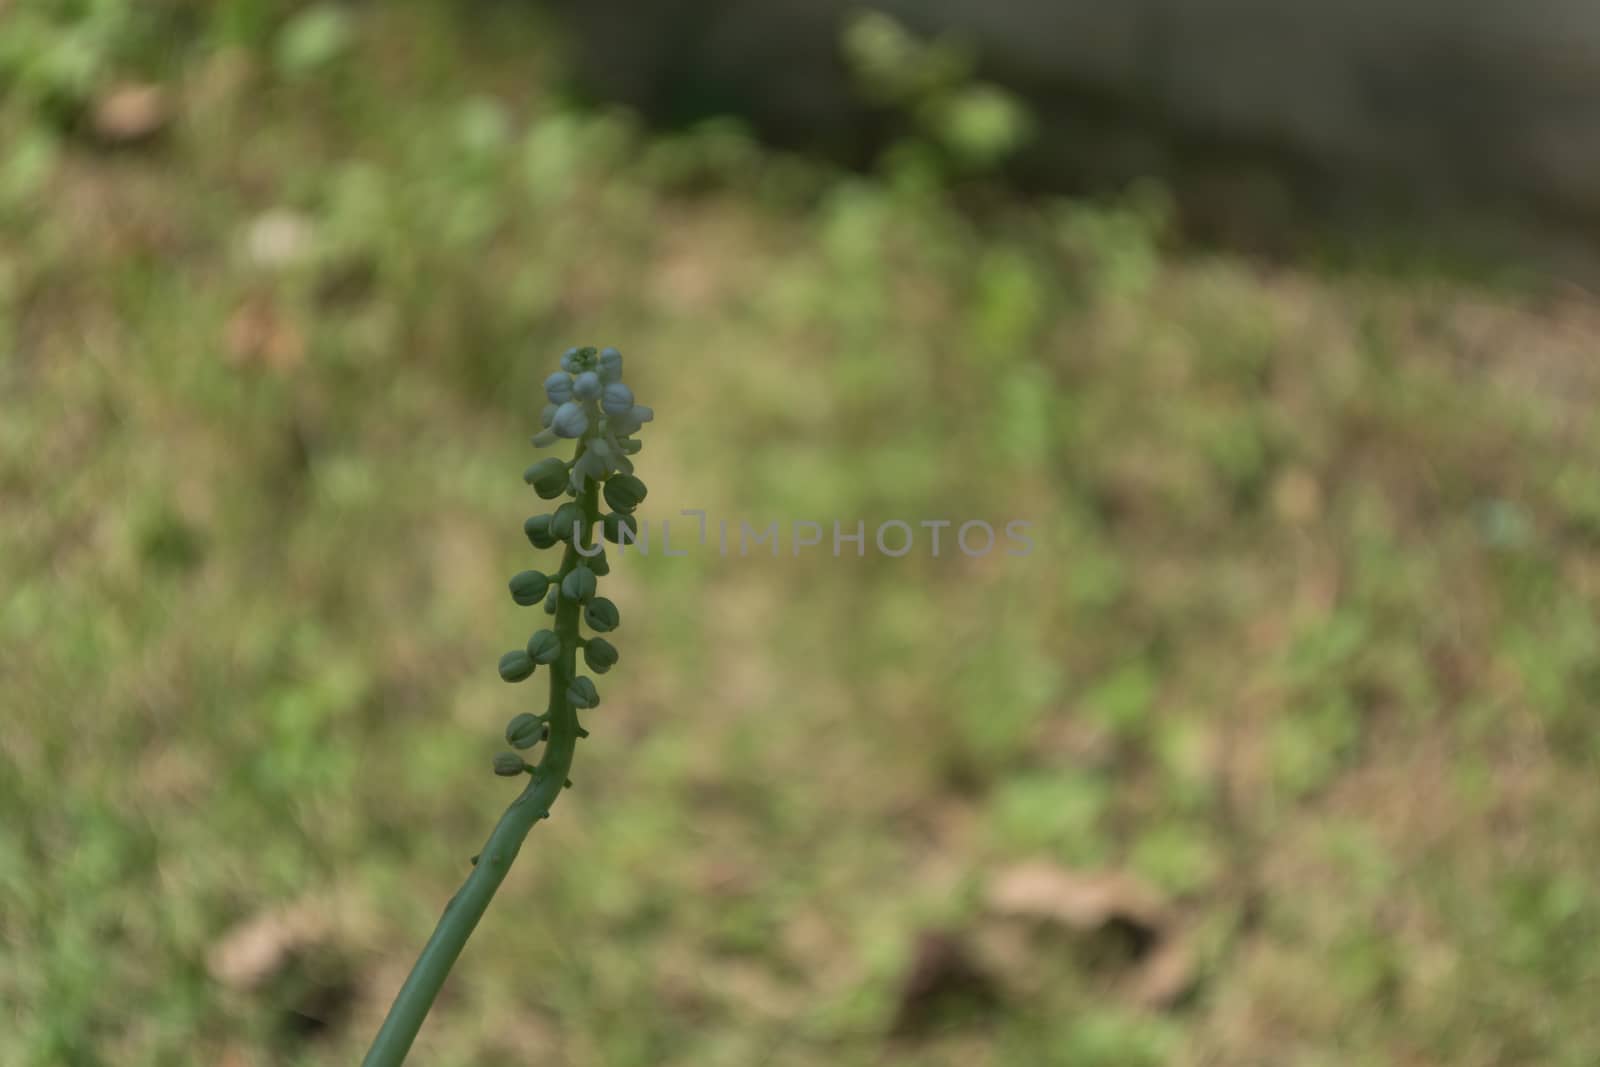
262, 946
1082, 900
1092, 902
279, 238
259, 334
130, 113
1165, 976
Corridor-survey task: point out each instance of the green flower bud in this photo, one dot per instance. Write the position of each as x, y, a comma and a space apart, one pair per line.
525, 731
544, 647
579, 584
599, 564
552, 599
528, 587
509, 765
548, 477
516, 666
601, 615
613, 523
565, 518
538, 530
582, 693
624, 492
599, 654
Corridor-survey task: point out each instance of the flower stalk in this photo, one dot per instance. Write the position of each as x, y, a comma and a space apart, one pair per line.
586, 404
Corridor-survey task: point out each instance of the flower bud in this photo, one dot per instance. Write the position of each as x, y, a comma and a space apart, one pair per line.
543, 647
529, 587
509, 764
587, 466
558, 387
599, 654
562, 522
629, 421
610, 365
619, 461
552, 599
570, 420
516, 665
624, 492
547, 416
612, 525
586, 386
579, 584
548, 477
571, 361
525, 730
582, 693
601, 615
617, 399
538, 530
599, 564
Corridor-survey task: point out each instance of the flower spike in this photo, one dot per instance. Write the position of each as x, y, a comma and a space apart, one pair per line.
590, 405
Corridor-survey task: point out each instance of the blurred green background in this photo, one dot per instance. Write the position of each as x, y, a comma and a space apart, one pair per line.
1279, 749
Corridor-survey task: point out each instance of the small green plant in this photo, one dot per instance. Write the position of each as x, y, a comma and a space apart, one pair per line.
589, 404
959, 123
54, 57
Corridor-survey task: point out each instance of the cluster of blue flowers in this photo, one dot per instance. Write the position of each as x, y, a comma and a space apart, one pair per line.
591, 404
586, 394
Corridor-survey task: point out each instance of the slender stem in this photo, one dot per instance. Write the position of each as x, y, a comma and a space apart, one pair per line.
461, 915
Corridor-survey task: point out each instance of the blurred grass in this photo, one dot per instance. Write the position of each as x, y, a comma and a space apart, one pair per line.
1308, 640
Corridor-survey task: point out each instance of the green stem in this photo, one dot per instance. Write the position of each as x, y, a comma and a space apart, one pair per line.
461, 915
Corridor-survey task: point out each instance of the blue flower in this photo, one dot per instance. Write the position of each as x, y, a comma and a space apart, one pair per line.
617, 399
586, 386
558, 387
610, 365
631, 420
570, 420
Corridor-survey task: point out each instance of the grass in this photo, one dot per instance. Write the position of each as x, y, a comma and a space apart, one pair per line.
1308, 641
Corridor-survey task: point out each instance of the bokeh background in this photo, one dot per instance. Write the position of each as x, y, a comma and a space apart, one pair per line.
1275, 320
